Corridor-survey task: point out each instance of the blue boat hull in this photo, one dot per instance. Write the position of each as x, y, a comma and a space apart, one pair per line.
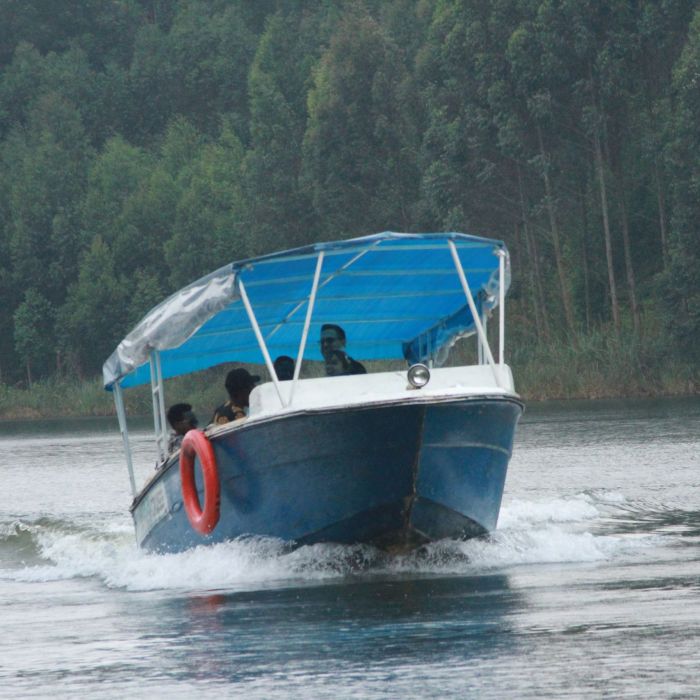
391, 475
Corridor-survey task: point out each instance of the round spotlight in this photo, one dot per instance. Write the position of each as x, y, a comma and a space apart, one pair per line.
418, 376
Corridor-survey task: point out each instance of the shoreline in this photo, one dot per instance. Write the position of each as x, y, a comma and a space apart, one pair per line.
87, 399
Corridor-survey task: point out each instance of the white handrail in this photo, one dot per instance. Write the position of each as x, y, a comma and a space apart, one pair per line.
261, 340
472, 308
307, 323
159, 422
121, 417
501, 305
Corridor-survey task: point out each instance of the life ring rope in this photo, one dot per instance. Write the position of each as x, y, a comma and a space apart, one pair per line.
202, 519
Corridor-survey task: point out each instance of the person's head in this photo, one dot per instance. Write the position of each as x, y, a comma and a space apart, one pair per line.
332, 338
181, 418
239, 384
337, 364
284, 368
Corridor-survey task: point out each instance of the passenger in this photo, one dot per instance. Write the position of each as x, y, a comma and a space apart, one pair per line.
284, 368
182, 420
333, 339
239, 384
337, 363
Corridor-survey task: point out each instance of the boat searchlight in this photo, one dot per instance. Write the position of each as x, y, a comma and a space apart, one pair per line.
418, 376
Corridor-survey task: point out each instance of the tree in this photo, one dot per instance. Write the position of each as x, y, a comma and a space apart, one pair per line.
358, 162
48, 161
33, 333
210, 226
95, 315
681, 281
281, 212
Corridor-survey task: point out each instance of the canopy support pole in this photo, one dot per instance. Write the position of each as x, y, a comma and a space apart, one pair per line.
328, 279
307, 323
159, 421
121, 417
501, 305
484, 323
472, 308
261, 340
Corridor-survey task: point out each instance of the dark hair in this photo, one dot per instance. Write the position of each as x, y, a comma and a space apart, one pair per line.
240, 379
177, 412
284, 367
333, 327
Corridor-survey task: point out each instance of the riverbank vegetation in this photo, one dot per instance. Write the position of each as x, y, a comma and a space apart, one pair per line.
144, 143
598, 368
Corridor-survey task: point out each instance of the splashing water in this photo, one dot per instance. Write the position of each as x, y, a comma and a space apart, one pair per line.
530, 532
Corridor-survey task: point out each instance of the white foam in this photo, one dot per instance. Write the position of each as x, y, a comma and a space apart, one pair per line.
560, 530
519, 513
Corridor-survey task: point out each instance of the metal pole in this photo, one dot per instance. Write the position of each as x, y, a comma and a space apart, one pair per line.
156, 407
121, 417
328, 279
307, 323
484, 323
472, 308
261, 341
161, 405
501, 305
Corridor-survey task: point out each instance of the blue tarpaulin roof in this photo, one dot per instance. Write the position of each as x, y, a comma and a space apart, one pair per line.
396, 295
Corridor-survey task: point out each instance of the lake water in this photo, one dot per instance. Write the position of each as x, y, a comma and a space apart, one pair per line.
589, 588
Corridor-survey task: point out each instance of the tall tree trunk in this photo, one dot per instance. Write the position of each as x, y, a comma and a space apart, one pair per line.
518, 257
584, 255
600, 172
29, 374
628, 256
606, 230
538, 297
661, 200
556, 240
536, 291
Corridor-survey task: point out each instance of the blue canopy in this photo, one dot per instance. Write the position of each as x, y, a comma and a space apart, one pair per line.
396, 295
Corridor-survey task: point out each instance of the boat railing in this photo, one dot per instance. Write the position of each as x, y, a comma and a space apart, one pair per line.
380, 387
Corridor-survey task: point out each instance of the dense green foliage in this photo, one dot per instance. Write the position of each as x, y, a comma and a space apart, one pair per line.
146, 142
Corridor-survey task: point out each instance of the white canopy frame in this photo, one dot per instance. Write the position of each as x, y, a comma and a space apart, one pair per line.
261, 340
307, 323
475, 314
121, 417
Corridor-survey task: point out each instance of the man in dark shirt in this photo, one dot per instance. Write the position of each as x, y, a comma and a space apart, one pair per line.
332, 340
239, 384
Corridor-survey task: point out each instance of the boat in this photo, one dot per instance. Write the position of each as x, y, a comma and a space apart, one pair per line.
413, 452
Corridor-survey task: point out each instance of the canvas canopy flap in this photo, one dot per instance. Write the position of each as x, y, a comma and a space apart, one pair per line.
395, 295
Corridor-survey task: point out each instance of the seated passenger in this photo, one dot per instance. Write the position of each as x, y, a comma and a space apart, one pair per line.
284, 368
337, 364
333, 339
182, 420
239, 384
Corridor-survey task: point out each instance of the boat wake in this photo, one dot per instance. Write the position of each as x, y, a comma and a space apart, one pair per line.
588, 527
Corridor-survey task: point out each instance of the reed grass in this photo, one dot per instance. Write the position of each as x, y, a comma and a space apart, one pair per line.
600, 365
594, 365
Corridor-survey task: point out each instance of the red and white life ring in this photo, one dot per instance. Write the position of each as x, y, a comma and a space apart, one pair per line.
203, 520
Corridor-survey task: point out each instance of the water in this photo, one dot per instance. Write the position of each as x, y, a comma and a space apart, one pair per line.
589, 588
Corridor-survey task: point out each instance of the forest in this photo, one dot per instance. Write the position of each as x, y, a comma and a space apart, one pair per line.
144, 143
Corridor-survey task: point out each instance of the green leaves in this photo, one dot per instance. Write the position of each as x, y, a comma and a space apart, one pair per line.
34, 333
144, 144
